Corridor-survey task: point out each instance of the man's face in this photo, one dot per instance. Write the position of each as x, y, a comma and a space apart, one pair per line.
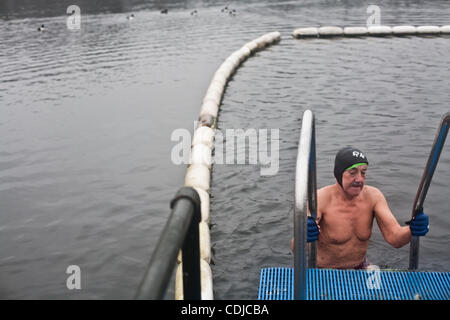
353, 180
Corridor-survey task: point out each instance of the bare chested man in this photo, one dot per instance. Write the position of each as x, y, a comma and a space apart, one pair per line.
346, 211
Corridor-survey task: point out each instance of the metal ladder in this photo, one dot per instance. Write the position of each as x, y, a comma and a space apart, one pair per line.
305, 281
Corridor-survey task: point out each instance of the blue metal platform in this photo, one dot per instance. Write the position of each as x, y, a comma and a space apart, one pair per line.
333, 284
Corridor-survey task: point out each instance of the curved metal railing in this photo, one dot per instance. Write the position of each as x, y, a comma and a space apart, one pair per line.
181, 232
305, 204
432, 162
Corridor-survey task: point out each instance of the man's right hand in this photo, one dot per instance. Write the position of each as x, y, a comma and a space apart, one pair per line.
313, 230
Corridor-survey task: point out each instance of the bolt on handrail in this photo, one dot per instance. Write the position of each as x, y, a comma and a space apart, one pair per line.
180, 232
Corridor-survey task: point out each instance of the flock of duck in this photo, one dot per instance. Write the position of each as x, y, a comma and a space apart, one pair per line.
231, 12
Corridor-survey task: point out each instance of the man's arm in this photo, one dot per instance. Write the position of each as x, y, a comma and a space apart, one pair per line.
396, 235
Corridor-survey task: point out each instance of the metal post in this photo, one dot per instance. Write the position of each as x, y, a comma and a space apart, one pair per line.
312, 194
304, 185
191, 260
299, 255
425, 182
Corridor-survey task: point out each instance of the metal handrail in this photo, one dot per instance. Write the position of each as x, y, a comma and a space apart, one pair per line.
432, 162
180, 232
305, 204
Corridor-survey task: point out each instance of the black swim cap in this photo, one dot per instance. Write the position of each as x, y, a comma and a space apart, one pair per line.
345, 159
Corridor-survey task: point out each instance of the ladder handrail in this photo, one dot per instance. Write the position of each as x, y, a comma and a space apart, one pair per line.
425, 182
305, 203
180, 232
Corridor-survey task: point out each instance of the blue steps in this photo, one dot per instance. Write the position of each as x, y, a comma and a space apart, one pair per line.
333, 284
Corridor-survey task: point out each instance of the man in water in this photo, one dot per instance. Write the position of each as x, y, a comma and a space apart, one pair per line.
345, 215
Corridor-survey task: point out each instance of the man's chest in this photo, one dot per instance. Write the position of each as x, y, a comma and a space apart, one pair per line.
343, 221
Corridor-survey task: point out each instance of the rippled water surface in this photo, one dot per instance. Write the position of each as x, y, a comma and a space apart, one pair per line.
86, 118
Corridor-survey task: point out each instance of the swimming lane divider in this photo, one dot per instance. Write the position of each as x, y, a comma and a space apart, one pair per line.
377, 31
198, 173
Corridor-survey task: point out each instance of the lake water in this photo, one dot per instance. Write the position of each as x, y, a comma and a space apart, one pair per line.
86, 175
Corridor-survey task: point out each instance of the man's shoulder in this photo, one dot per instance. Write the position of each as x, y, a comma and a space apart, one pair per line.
326, 192
327, 189
372, 189
373, 192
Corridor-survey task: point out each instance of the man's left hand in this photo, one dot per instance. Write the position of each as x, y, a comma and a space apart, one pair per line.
419, 225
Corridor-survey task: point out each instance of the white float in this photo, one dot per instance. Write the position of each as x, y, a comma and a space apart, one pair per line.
252, 46
214, 94
428, 30
220, 77
234, 59
238, 56
445, 29
216, 88
276, 36
206, 280
198, 175
216, 83
305, 32
201, 154
203, 135
227, 68
261, 43
204, 202
268, 38
215, 97
209, 108
403, 30
205, 242
245, 52
330, 31
379, 30
355, 31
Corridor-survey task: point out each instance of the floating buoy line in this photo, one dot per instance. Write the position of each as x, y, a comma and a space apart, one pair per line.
370, 31
198, 173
